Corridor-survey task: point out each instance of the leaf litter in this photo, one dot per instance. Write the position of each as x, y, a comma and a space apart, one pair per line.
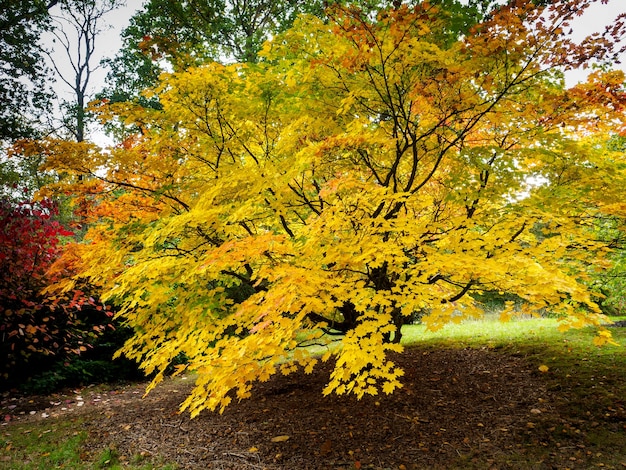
458, 409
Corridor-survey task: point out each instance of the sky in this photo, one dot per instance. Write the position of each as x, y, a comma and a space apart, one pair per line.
594, 19
109, 41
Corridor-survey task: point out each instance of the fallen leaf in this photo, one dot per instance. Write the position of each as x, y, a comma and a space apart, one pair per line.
543, 368
253, 449
280, 438
326, 446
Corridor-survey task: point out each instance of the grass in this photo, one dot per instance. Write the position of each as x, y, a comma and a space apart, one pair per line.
42, 446
60, 444
537, 339
569, 354
590, 382
491, 332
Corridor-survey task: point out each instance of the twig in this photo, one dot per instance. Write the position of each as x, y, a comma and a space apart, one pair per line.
243, 457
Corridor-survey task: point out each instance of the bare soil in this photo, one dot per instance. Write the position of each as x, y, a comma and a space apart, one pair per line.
458, 409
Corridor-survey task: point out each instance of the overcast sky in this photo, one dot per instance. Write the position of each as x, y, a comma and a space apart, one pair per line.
595, 19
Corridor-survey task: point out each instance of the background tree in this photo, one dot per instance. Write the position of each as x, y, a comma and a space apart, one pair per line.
611, 282
27, 107
49, 340
168, 35
23, 91
367, 168
187, 33
84, 18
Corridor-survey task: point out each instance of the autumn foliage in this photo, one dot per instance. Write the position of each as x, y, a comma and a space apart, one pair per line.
34, 325
368, 169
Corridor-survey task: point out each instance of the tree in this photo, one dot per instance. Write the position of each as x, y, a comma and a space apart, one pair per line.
23, 92
187, 33
30, 116
85, 18
38, 328
48, 339
366, 169
20, 177
167, 35
611, 282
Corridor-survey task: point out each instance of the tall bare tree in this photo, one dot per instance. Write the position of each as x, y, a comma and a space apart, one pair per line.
78, 23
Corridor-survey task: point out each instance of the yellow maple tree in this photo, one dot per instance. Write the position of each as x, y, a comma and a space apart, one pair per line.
367, 169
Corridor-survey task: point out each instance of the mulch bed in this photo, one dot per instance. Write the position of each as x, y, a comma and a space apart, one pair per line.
457, 409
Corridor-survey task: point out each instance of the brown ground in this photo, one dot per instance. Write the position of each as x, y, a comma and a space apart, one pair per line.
458, 409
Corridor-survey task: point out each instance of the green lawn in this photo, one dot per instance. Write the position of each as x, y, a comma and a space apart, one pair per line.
491, 332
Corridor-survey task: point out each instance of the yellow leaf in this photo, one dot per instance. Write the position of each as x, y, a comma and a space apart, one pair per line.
280, 438
543, 368
309, 367
603, 338
563, 327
